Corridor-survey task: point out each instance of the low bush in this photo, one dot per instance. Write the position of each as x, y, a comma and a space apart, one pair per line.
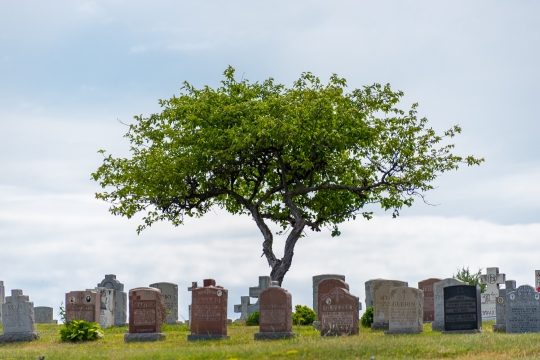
367, 318
80, 330
303, 315
253, 319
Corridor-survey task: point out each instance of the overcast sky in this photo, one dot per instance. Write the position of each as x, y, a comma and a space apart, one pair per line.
69, 70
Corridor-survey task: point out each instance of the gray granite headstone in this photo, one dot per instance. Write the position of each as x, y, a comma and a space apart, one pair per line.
438, 290
510, 285
121, 303
381, 301
523, 310
44, 315
316, 280
406, 311
369, 292
170, 295
18, 320
492, 279
245, 308
2, 298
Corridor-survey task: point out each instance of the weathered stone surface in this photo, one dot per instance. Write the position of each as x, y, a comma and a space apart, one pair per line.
2, 298
338, 312
438, 289
492, 279
18, 318
245, 308
316, 280
170, 295
510, 285
144, 337
462, 312
429, 298
523, 310
276, 310
83, 305
121, 303
381, 304
369, 291
147, 310
406, 311
208, 311
43, 315
274, 335
18, 337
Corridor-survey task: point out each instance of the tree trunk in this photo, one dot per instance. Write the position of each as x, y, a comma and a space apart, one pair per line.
281, 266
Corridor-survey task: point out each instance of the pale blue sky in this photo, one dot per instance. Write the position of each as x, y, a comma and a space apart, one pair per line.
70, 69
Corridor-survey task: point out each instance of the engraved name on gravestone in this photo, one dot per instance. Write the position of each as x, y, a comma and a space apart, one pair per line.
121, 303
18, 320
170, 294
492, 279
208, 312
338, 312
44, 315
406, 311
438, 296
316, 280
275, 317
147, 313
83, 305
462, 308
429, 298
381, 303
523, 310
510, 285
2, 298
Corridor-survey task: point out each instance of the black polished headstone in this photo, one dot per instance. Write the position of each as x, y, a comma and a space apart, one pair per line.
462, 308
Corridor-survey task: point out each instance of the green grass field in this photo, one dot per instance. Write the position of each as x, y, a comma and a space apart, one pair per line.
308, 345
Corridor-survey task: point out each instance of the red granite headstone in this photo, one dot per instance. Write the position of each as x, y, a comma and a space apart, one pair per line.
338, 312
328, 284
208, 312
83, 305
147, 310
429, 298
275, 310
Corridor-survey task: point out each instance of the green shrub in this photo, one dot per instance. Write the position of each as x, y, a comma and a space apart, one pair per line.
367, 318
80, 330
303, 315
472, 279
253, 319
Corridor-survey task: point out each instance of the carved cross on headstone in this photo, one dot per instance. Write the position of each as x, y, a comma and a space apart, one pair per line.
492, 279
264, 283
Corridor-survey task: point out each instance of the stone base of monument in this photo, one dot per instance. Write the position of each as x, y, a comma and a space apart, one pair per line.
144, 337
197, 337
317, 325
475, 331
379, 326
397, 332
18, 336
274, 335
499, 328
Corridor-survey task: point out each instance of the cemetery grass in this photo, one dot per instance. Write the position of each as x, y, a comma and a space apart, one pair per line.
308, 345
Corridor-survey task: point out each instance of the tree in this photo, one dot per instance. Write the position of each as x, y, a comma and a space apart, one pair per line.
304, 157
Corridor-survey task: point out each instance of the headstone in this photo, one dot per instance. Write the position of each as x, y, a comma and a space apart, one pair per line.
429, 298
44, 315
462, 309
492, 279
245, 308
170, 294
438, 290
523, 310
2, 298
83, 305
369, 292
121, 303
208, 312
338, 312
193, 286
147, 313
406, 311
106, 306
18, 318
275, 318
381, 303
537, 280
510, 285
316, 280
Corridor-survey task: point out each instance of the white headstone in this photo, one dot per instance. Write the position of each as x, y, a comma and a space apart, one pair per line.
106, 307
438, 294
492, 279
121, 303
18, 320
406, 311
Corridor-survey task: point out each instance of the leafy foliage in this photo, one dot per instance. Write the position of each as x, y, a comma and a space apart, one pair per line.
62, 313
367, 317
253, 319
310, 156
303, 315
80, 330
470, 278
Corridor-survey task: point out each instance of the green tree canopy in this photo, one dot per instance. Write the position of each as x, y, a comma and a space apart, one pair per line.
309, 156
